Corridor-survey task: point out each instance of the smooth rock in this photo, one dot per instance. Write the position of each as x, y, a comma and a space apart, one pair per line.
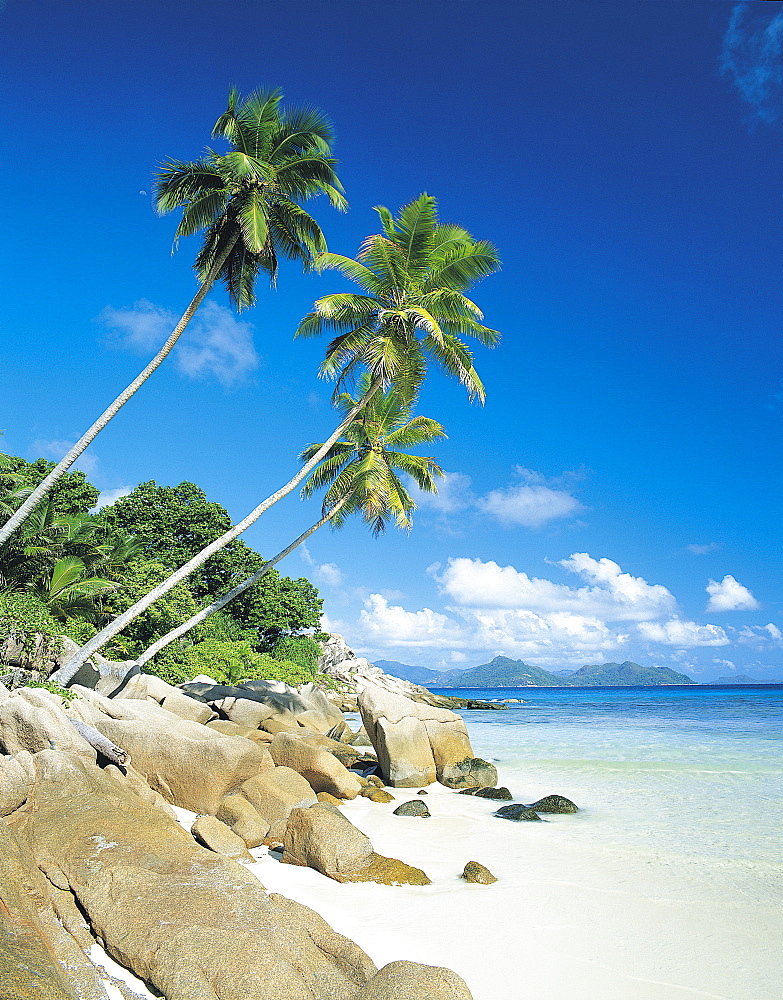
243, 819
472, 772
475, 872
554, 804
219, 838
501, 794
380, 795
275, 793
13, 785
321, 837
407, 980
414, 807
33, 719
196, 925
322, 770
519, 813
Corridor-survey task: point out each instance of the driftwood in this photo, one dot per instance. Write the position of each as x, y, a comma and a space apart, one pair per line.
103, 745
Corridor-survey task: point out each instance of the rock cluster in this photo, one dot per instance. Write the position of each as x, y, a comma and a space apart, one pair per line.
90, 849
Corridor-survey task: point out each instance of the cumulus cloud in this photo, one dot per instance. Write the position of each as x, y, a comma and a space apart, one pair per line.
393, 625
752, 57
454, 494
703, 550
55, 450
729, 595
683, 633
613, 596
532, 502
215, 343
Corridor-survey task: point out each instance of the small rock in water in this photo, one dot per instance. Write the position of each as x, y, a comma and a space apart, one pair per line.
475, 872
472, 772
467, 791
422, 791
519, 813
331, 799
414, 807
502, 793
555, 804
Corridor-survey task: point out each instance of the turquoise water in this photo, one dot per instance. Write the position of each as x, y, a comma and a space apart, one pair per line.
686, 774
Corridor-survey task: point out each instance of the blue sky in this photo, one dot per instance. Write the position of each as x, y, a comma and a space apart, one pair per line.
618, 497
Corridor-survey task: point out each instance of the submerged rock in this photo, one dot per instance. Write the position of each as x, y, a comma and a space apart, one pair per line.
555, 804
414, 807
519, 813
475, 872
502, 794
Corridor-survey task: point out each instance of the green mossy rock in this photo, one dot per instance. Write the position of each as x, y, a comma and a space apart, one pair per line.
475, 872
413, 807
554, 804
519, 813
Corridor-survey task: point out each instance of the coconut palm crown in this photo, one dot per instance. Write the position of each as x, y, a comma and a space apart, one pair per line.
414, 275
362, 472
248, 198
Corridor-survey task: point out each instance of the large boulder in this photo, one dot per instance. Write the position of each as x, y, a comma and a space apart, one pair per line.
470, 773
322, 838
195, 925
33, 719
191, 765
243, 819
39, 960
275, 793
147, 687
323, 770
415, 743
14, 786
403, 980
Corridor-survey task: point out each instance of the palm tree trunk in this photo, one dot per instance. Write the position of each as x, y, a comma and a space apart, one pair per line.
69, 669
180, 630
84, 441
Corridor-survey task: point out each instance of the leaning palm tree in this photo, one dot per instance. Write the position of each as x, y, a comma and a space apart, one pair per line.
361, 474
416, 273
246, 202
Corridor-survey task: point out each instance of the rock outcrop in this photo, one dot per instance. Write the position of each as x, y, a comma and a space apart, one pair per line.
415, 743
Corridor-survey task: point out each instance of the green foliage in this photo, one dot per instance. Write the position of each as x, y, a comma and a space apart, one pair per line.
24, 615
71, 495
302, 650
65, 693
279, 606
231, 662
172, 609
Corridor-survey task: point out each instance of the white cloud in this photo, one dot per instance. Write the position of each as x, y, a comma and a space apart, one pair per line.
392, 625
703, 550
56, 450
729, 595
615, 596
529, 506
753, 57
326, 573
683, 633
108, 497
215, 343
774, 632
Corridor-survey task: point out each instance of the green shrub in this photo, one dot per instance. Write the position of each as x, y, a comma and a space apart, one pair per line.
24, 615
302, 650
228, 663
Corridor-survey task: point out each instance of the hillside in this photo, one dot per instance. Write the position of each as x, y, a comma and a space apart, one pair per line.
625, 674
505, 672
406, 672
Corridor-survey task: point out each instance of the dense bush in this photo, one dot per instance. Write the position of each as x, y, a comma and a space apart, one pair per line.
300, 649
24, 616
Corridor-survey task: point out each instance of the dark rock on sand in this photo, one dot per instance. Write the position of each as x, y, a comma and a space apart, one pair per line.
554, 804
472, 772
414, 807
475, 872
502, 794
519, 813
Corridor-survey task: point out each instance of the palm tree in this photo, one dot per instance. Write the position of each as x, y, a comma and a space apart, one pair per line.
247, 201
361, 474
417, 272
413, 276
69, 592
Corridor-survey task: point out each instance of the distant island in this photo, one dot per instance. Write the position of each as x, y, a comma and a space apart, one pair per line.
743, 679
505, 672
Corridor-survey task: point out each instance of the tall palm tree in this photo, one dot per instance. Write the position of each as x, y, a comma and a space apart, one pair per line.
416, 273
247, 202
413, 306
361, 475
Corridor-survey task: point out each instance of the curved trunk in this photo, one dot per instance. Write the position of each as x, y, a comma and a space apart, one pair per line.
69, 669
85, 440
240, 588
